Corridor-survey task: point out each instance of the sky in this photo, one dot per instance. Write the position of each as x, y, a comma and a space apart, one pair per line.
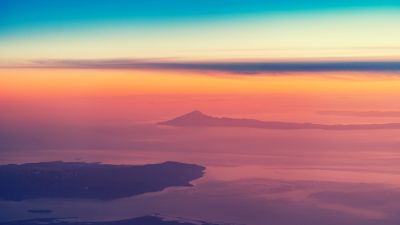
176, 56
199, 30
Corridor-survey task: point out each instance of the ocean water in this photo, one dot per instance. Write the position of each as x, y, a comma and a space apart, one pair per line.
253, 176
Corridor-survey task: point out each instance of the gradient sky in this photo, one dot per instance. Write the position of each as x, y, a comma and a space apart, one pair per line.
292, 55
199, 30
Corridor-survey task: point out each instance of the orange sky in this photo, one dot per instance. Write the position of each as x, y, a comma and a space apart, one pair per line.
150, 94
88, 82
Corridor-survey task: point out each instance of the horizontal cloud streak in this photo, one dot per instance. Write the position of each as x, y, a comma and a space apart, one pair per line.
230, 67
361, 113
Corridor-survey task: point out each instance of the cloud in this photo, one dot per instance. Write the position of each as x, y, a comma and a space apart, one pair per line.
361, 113
255, 67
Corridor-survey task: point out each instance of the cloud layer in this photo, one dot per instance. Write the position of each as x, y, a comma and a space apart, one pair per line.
229, 66
361, 113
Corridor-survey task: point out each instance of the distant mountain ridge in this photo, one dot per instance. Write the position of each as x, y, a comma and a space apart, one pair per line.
199, 119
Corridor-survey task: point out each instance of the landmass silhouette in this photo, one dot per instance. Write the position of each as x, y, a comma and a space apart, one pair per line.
199, 119
144, 220
91, 180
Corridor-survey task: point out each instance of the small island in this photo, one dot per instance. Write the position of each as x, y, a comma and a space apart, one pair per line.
91, 180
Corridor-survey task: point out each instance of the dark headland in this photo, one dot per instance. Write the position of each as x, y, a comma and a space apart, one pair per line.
145, 220
91, 180
199, 119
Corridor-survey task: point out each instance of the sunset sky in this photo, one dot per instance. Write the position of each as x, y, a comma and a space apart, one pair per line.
175, 56
199, 30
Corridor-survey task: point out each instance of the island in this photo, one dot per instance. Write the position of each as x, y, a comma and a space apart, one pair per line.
144, 220
91, 180
199, 119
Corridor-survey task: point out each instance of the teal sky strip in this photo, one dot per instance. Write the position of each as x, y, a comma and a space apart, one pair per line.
28, 14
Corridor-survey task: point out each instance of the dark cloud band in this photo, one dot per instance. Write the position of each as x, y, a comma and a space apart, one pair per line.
230, 67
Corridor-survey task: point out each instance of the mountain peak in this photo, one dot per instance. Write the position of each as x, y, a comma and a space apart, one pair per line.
195, 117
195, 113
